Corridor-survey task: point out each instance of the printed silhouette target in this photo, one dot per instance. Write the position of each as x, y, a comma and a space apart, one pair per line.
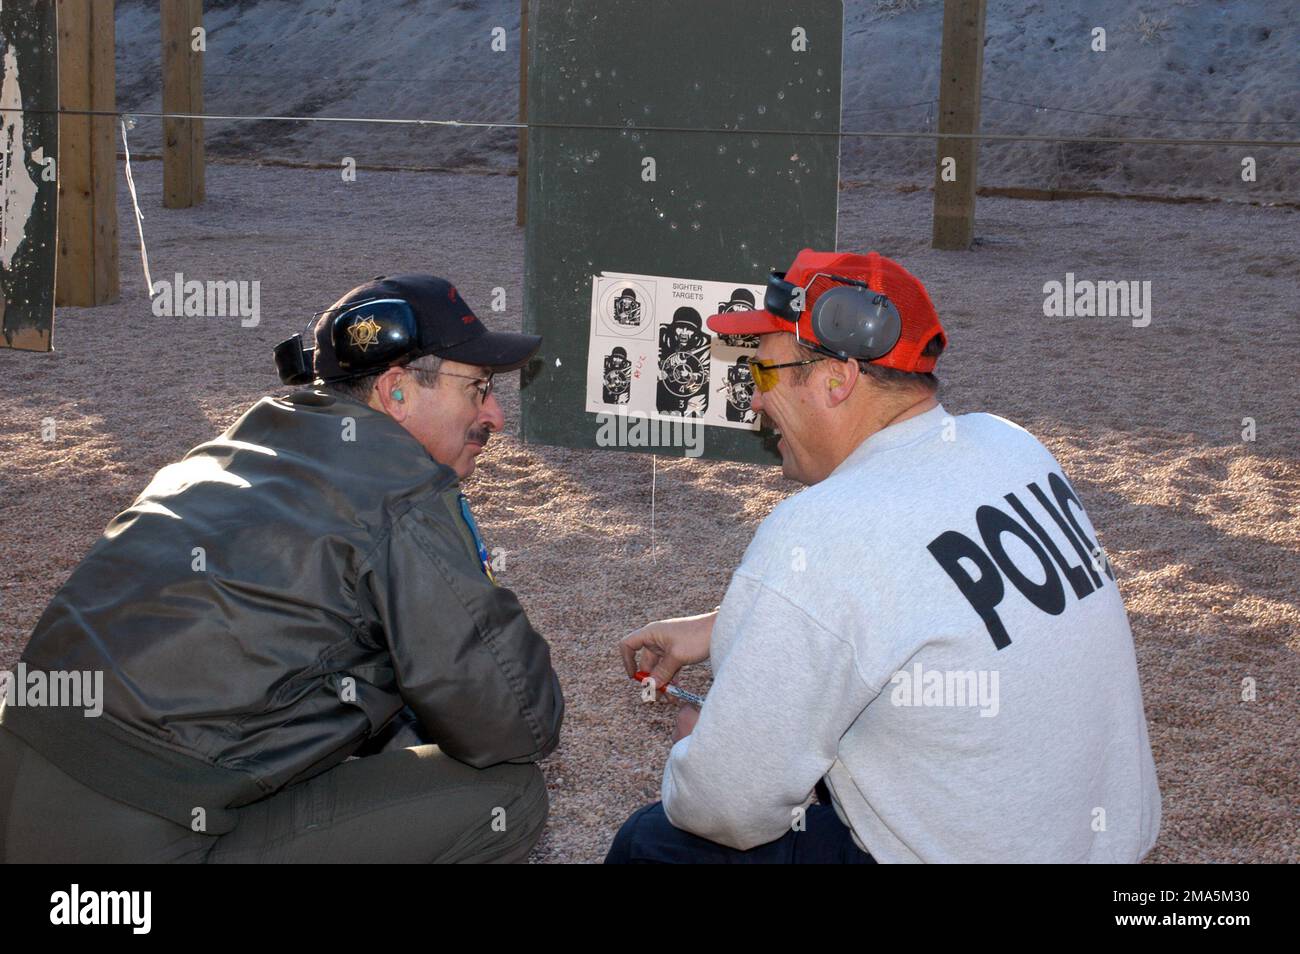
683, 374
626, 309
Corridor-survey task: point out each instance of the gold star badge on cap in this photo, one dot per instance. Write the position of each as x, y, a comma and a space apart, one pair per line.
364, 333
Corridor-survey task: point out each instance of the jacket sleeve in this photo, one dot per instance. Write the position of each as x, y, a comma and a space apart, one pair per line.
468, 662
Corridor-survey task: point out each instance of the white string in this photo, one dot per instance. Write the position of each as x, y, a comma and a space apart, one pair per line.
654, 476
871, 110
735, 130
139, 216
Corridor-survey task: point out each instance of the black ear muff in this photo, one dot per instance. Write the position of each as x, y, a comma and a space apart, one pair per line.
856, 322
373, 334
293, 361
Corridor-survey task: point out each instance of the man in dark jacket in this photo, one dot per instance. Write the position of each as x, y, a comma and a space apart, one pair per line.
307, 587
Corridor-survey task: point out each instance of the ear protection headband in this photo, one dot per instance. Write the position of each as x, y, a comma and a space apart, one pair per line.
365, 336
850, 319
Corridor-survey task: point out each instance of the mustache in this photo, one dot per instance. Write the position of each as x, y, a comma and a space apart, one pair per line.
479, 435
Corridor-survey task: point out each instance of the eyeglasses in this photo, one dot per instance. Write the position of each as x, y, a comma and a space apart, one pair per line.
484, 384
764, 374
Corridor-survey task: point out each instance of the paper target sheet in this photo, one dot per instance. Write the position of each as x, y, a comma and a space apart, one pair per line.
650, 353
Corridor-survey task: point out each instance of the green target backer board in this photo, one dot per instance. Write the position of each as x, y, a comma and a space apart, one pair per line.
677, 152
29, 135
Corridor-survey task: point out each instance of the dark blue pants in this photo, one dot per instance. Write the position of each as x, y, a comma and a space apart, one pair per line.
648, 838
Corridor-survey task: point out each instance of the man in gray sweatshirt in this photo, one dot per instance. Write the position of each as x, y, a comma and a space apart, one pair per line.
930, 629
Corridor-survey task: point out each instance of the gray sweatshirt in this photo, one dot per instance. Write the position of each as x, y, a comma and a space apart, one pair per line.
935, 630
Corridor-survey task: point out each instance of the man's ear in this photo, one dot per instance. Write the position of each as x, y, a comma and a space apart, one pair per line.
841, 376
390, 394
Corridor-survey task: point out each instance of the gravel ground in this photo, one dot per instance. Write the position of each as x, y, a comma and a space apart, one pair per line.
1202, 526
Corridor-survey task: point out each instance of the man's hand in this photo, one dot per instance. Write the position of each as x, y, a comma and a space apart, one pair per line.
669, 644
687, 716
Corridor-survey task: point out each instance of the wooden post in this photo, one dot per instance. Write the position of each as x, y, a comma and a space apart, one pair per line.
87, 264
960, 72
521, 187
182, 69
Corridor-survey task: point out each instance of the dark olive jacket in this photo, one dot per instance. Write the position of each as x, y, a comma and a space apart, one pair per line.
270, 602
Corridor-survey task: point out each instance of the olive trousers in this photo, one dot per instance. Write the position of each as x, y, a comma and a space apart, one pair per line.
404, 803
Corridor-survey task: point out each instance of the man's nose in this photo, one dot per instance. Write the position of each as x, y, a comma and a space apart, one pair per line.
492, 415
756, 400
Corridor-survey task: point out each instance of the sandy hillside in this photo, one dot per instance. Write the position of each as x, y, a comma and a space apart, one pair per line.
1172, 68
1204, 528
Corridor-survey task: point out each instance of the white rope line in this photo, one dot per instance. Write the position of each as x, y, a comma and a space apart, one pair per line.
654, 477
850, 134
334, 119
139, 216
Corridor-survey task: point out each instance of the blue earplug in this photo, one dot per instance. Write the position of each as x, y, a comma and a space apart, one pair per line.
397, 395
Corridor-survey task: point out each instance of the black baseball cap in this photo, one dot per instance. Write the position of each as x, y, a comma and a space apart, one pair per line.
392, 319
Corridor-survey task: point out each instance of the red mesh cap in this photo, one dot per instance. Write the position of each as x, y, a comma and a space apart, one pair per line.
920, 322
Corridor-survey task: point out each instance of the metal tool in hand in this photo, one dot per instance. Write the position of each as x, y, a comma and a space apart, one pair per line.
675, 691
